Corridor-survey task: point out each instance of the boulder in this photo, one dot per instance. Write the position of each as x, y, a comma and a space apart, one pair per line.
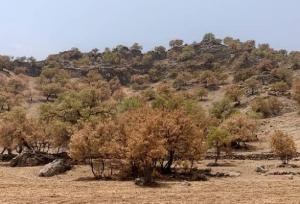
35, 159
56, 167
261, 169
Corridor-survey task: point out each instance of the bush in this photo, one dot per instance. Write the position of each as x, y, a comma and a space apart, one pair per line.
267, 106
140, 79
222, 109
181, 81
279, 88
219, 139
97, 144
234, 93
129, 104
283, 74
296, 90
241, 128
283, 146
252, 86
209, 80
243, 75
201, 93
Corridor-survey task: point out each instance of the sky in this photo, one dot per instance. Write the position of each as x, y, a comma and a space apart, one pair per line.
42, 27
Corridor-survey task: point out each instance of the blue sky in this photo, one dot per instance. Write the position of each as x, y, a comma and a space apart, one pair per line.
41, 27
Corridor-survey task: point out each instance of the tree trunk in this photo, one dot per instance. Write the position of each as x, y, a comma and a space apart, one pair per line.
148, 179
167, 167
217, 154
3, 150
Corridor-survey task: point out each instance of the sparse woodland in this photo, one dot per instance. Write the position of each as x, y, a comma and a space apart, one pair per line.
131, 114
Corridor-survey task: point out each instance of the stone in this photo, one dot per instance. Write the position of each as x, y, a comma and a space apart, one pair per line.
30, 159
233, 174
186, 183
35, 159
56, 167
139, 181
261, 169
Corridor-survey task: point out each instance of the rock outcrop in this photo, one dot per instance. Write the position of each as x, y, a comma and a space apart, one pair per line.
35, 159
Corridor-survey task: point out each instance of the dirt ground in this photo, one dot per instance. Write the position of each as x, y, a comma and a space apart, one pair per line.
22, 185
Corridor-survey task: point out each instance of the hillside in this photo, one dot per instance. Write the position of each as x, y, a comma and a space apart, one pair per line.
162, 115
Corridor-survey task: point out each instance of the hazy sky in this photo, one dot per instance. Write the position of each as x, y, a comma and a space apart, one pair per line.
40, 27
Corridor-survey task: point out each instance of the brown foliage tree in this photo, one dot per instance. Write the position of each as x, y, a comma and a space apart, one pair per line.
283, 146
241, 128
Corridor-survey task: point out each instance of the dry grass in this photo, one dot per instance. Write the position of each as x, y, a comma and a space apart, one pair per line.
21, 185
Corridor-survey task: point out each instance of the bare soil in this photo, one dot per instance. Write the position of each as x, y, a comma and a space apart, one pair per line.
22, 185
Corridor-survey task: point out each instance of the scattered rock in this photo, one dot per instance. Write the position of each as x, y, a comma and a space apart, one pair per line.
35, 159
234, 174
56, 167
186, 183
291, 177
288, 166
225, 174
199, 177
217, 174
140, 182
261, 169
284, 173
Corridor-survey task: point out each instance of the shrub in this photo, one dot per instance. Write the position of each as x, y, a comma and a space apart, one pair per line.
279, 88
209, 79
173, 135
296, 90
114, 84
234, 93
119, 95
219, 139
187, 53
267, 106
140, 79
283, 146
241, 128
20, 70
242, 75
201, 93
252, 85
222, 109
97, 144
283, 74
129, 104
181, 81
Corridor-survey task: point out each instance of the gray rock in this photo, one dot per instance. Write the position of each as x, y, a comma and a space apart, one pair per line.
261, 169
56, 167
139, 181
233, 174
31, 159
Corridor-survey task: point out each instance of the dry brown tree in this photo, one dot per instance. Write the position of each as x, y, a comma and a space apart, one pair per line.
241, 128
283, 146
96, 144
